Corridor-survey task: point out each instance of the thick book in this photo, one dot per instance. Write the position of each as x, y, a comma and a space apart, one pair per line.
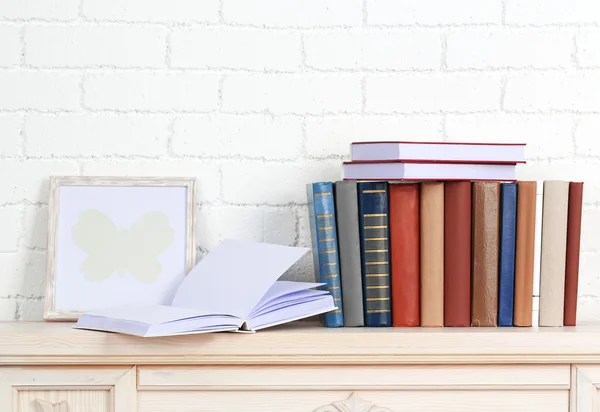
432, 253
233, 288
486, 236
507, 253
573, 248
404, 241
457, 253
525, 250
373, 212
323, 232
554, 250
346, 207
427, 170
452, 151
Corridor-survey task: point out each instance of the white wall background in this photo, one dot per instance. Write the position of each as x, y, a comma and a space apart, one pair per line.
259, 97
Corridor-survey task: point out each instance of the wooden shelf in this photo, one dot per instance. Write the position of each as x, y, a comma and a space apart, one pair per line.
59, 343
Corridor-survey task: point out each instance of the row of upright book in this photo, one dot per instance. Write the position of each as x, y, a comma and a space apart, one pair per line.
441, 251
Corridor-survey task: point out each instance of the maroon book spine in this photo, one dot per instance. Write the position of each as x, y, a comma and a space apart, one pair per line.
573, 247
457, 253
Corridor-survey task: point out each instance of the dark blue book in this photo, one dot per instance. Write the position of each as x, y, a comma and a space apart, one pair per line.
323, 230
506, 268
373, 207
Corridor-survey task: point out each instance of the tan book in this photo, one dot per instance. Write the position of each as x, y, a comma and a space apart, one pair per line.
524, 260
554, 250
485, 246
432, 254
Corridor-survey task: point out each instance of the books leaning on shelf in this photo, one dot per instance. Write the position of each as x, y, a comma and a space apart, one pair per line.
454, 254
444, 234
233, 288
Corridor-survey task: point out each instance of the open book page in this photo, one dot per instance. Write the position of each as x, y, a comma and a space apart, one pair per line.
233, 278
147, 314
287, 293
319, 305
154, 320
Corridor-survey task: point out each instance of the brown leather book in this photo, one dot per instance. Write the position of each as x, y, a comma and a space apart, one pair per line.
457, 253
486, 238
432, 254
525, 249
404, 243
573, 247
554, 251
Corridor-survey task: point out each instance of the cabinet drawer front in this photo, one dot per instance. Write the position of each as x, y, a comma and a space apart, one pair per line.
67, 389
338, 401
354, 377
355, 388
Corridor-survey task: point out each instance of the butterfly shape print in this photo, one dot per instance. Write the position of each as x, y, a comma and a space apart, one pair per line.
111, 249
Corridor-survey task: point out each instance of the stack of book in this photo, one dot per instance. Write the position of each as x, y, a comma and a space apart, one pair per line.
443, 234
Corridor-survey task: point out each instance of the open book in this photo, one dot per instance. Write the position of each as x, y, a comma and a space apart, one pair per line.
234, 288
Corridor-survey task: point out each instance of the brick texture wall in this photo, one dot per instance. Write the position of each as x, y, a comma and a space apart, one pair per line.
258, 97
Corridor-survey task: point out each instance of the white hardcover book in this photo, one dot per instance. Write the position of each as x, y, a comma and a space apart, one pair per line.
539, 207
535, 317
440, 151
415, 170
233, 288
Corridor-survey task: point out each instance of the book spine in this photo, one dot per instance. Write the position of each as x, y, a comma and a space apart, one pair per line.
539, 212
404, 241
506, 271
375, 257
346, 204
486, 235
325, 247
457, 253
432, 254
554, 250
573, 248
524, 260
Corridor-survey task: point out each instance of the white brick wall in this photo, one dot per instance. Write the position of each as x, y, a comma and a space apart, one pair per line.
93, 45
256, 98
10, 47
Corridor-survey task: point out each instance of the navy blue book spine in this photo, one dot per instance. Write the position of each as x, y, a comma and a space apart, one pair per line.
506, 275
321, 209
373, 206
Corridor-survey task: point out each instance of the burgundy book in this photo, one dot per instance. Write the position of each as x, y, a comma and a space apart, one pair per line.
457, 253
573, 246
404, 242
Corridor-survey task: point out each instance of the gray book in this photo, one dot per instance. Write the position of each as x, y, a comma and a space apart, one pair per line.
346, 204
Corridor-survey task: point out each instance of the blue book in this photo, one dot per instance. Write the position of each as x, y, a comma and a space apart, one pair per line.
506, 270
323, 229
375, 257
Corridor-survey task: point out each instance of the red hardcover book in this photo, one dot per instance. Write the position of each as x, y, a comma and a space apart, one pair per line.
457, 254
404, 243
573, 247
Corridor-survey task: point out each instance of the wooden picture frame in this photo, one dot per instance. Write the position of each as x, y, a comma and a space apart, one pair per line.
106, 230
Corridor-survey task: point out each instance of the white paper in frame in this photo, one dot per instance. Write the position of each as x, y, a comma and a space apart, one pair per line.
117, 240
